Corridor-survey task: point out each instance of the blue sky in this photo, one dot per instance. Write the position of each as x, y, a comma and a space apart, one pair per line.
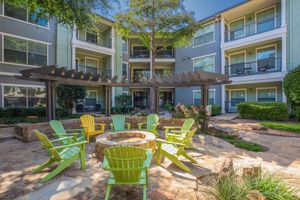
201, 8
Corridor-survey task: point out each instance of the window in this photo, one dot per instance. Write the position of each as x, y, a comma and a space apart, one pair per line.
205, 63
91, 37
204, 35
237, 96
125, 70
165, 97
91, 98
23, 14
140, 52
266, 59
15, 96
237, 29
198, 97
237, 63
266, 94
139, 74
91, 65
163, 72
21, 51
265, 20
124, 45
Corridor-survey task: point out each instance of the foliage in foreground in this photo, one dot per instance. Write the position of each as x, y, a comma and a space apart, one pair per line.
274, 111
232, 186
242, 144
295, 128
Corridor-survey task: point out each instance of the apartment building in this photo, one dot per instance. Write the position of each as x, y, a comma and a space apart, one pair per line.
26, 42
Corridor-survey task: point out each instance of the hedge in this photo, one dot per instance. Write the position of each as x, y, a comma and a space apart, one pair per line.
216, 110
274, 111
25, 112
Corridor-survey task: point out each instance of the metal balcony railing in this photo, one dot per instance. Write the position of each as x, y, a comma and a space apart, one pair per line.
253, 28
142, 54
261, 66
94, 39
165, 54
93, 70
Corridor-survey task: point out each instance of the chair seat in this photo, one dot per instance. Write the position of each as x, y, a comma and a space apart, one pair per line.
169, 148
142, 181
69, 152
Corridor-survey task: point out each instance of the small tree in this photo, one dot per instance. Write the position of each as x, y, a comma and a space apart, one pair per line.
158, 24
68, 95
291, 85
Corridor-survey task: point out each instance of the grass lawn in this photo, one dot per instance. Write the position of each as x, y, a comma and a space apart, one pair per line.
295, 128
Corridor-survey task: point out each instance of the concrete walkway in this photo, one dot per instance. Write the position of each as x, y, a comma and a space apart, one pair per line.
166, 181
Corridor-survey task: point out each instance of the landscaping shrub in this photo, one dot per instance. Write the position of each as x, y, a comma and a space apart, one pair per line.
273, 111
169, 107
61, 113
216, 110
123, 104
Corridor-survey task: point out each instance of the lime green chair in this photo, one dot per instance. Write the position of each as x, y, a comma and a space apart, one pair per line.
60, 131
172, 150
128, 165
118, 123
151, 124
64, 155
173, 132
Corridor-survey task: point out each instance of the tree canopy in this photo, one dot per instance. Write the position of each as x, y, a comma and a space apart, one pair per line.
76, 12
291, 86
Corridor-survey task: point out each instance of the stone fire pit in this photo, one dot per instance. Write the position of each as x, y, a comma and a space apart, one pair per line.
135, 138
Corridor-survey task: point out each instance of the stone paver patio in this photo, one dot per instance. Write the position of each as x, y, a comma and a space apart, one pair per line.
165, 182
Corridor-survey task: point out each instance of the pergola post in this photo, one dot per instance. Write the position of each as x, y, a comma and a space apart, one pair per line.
156, 90
204, 93
108, 100
50, 100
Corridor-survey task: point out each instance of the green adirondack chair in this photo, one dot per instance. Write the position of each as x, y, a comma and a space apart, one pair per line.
172, 150
128, 165
173, 132
151, 124
60, 131
118, 123
64, 155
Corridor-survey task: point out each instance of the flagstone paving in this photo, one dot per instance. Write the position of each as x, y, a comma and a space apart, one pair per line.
165, 182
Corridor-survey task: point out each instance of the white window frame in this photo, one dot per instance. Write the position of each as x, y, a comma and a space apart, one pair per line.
2, 85
235, 53
262, 10
264, 47
91, 58
25, 22
96, 91
210, 90
239, 89
127, 45
27, 39
199, 57
244, 27
125, 92
262, 88
207, 24
127, 69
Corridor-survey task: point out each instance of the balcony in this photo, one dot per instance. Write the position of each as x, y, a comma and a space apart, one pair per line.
93, 38
93, 70
253, 28
145, 54
262, 66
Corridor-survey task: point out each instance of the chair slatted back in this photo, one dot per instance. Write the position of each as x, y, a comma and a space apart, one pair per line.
189, 136
151, 120
88, 121
47, 144
118, 122
187, 124
57, 127
125, 162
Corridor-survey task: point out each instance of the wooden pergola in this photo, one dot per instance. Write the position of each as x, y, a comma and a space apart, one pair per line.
53, 75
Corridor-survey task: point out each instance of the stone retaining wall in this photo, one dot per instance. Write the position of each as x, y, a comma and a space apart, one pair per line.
25, 131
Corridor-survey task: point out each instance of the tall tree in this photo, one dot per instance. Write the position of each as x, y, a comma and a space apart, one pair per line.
68, 12
157, 23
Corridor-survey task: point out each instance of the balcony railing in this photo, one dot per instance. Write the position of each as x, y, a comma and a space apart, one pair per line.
262, 66
253, 28
93, 70
145, 54
94, 39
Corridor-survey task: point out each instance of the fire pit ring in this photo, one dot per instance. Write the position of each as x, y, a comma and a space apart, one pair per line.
142, 139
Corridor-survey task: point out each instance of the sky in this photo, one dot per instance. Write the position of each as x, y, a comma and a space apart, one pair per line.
201, 8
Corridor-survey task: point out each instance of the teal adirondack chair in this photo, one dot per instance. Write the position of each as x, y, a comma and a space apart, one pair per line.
64, 155
128, 165
172, 150
151, 124
60, 131
173, 132
118, 123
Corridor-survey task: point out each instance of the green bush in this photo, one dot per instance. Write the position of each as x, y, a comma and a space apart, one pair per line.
61, 113
273, 111
216, 110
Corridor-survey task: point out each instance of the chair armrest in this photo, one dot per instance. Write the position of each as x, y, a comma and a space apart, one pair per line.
74, 130
69, 145
128, 125
65, 134
177, 131
63, 138
141, 124
169, 142
111, 126
148, 159
105, 165
100, 124
172, 127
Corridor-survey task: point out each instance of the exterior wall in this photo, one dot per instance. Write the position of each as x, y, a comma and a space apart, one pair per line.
63, 47
184, 63
293, 36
